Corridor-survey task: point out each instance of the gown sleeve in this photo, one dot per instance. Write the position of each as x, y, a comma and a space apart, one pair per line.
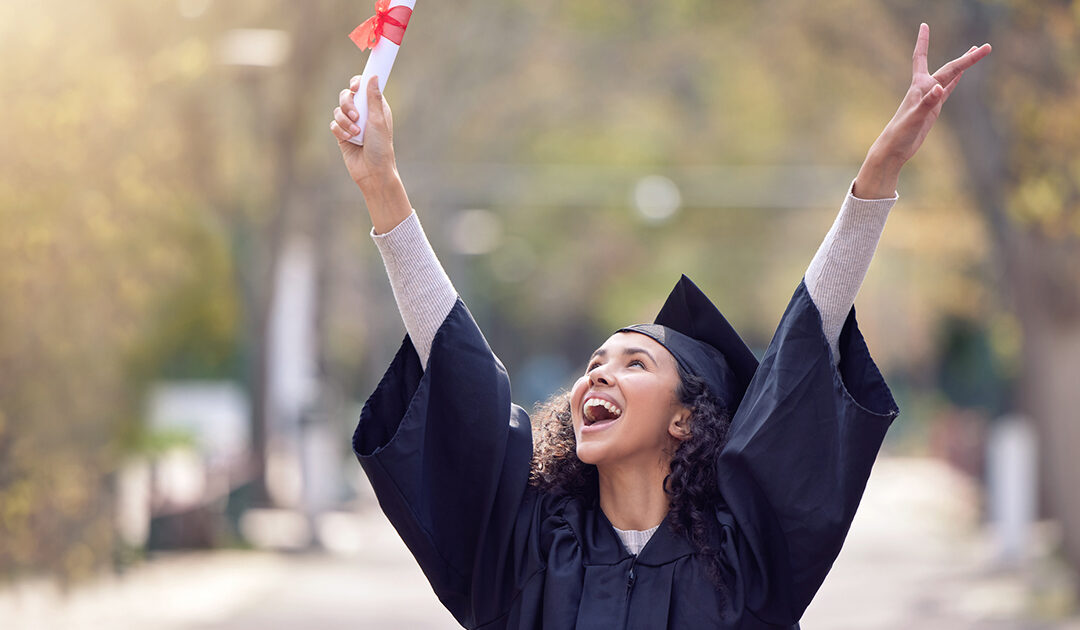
448, 456
798, 455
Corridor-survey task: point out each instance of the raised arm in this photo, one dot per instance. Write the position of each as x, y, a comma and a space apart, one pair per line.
803, 441
839, 267
422, 290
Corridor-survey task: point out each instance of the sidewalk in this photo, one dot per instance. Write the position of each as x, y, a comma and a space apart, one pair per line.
914, 559
381, 587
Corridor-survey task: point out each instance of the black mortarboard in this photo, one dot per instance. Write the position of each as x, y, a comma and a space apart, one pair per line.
703, 342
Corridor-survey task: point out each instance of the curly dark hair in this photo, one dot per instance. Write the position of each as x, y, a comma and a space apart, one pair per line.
691, 482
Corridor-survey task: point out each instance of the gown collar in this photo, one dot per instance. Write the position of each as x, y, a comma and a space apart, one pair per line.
603, 546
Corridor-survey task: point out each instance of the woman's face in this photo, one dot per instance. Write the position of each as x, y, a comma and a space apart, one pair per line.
625, 406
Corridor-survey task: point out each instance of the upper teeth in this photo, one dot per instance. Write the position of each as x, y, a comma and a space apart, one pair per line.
598, 402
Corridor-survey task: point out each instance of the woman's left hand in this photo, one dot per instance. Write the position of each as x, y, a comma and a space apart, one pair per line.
918, 111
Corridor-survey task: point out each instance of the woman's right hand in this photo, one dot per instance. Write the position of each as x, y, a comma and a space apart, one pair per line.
373, 165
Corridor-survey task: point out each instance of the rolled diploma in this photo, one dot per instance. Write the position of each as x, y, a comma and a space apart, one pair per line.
379, 63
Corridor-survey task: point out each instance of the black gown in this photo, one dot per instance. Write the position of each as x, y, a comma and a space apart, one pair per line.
448, 455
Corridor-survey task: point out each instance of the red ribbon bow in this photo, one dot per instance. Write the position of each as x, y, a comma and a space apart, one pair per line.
387, 22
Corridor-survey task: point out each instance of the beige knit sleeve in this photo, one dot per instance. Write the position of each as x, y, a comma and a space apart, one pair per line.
422, 290
839, 267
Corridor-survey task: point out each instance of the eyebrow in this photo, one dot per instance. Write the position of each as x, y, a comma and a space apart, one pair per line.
627, 352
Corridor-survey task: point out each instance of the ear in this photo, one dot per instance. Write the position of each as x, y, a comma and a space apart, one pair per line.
679, 427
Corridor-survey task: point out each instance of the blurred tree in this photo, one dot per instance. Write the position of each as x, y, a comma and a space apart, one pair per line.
1016, 124
970, 372
268, 123
100, 223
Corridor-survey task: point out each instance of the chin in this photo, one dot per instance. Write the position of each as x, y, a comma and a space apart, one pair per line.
589, 453
593, 452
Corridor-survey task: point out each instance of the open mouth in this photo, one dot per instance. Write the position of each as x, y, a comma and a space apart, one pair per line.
597, 410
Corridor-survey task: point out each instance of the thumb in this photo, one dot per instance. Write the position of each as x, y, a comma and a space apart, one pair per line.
376, 114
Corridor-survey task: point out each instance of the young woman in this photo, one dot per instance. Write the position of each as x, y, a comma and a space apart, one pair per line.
678, 484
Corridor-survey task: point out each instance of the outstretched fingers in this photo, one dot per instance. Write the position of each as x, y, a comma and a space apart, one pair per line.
922, 46
950, 71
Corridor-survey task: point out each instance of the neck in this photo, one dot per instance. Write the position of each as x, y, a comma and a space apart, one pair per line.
632, 496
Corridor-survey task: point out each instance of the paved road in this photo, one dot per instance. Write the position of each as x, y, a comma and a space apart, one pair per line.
379, 586
914, 559
917, 558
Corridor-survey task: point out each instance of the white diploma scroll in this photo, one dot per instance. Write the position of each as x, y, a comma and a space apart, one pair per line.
379, 63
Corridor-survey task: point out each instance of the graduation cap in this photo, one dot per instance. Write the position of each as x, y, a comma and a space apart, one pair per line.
702, 342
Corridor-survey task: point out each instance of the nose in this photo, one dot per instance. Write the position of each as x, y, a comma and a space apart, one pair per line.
600, 376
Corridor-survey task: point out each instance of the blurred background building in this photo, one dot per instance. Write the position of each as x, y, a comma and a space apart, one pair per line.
192, 313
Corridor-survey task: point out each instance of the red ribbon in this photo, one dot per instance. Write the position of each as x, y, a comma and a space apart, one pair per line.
387, 22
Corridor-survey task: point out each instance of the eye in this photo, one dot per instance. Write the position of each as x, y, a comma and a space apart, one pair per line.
637, 362
593, 366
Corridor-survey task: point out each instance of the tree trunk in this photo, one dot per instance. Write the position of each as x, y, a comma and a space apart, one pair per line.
1050, 381
1039, 278
283, 128
1038, 275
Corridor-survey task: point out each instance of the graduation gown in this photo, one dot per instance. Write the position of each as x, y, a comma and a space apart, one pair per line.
448, 455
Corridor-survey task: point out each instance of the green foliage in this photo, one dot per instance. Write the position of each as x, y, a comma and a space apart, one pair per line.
100, 223
197, 331
1039, 98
